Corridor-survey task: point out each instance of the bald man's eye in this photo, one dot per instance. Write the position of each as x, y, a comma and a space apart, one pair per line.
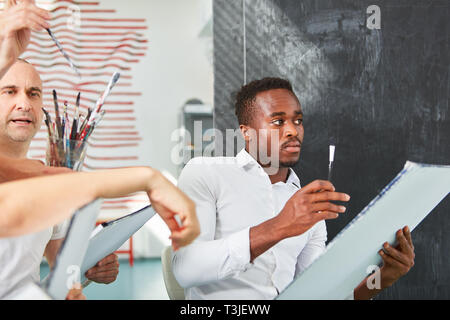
8, 92
35, 94
298, 121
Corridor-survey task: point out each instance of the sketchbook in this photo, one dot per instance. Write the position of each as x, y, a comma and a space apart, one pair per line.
405, 201
110, 236
72, 251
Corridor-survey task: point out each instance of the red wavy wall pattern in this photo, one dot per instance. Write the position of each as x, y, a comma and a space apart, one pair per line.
102, 44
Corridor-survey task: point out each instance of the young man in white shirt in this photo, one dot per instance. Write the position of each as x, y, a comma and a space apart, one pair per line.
259, 229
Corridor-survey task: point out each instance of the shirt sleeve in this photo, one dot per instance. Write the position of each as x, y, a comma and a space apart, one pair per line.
313, 249
208, 259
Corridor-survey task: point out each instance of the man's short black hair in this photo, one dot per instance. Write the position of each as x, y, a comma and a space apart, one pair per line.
245, 98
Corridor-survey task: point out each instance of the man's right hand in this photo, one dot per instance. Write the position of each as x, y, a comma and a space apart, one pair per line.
169, 201
308, 206
16, 22
301, 212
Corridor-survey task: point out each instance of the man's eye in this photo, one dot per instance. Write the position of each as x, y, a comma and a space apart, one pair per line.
299, 121
277, 122
35, 94
9, 91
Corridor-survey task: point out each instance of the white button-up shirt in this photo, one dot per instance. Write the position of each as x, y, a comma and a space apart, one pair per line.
231, 195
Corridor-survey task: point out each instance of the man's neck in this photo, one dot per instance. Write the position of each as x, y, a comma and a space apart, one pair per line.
13, 149
281, 175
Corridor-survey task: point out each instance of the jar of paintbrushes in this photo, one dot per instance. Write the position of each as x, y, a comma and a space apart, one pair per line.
68, 139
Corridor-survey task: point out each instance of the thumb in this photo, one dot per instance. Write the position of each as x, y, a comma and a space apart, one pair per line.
167, 216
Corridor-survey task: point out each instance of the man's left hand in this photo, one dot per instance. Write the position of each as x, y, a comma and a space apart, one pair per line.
105, 271
397, 261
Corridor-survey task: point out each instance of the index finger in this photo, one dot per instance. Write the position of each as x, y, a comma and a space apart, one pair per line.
10, 3
167, 215
318, 185
403, 243
44, 14
329, 196
108, 259
26, 1
182, 238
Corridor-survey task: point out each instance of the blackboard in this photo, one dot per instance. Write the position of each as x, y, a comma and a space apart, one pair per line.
381, 95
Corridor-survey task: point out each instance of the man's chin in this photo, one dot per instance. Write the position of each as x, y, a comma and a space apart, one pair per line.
289, 159
288, 164
23, 138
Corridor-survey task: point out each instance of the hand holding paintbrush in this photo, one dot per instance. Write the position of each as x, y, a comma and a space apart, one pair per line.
16, 22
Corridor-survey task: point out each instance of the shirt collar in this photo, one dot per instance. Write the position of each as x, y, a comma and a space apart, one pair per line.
293, 179
243, 159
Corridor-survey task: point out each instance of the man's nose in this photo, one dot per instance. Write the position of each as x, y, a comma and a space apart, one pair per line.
290, 129
23, 104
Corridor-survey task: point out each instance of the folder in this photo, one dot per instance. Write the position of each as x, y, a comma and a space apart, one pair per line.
110, 236
405, 201
72, 251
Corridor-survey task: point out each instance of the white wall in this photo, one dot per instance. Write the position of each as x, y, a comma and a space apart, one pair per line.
177, 67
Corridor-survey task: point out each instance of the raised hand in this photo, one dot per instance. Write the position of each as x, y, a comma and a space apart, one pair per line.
16, 22
309, 205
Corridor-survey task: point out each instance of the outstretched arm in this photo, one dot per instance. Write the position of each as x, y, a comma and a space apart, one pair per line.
12, 169
51, 199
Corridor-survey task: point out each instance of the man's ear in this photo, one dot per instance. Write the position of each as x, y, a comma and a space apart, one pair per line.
245, 132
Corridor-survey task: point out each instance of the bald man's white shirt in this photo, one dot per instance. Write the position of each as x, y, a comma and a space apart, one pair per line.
231, 195
20, 259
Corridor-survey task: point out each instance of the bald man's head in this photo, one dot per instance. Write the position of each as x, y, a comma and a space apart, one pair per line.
20, 103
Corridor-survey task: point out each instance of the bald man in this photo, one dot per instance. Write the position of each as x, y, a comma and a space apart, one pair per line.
20, 119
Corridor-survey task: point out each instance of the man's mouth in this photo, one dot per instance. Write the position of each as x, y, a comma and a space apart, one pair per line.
22, 121
292, 147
